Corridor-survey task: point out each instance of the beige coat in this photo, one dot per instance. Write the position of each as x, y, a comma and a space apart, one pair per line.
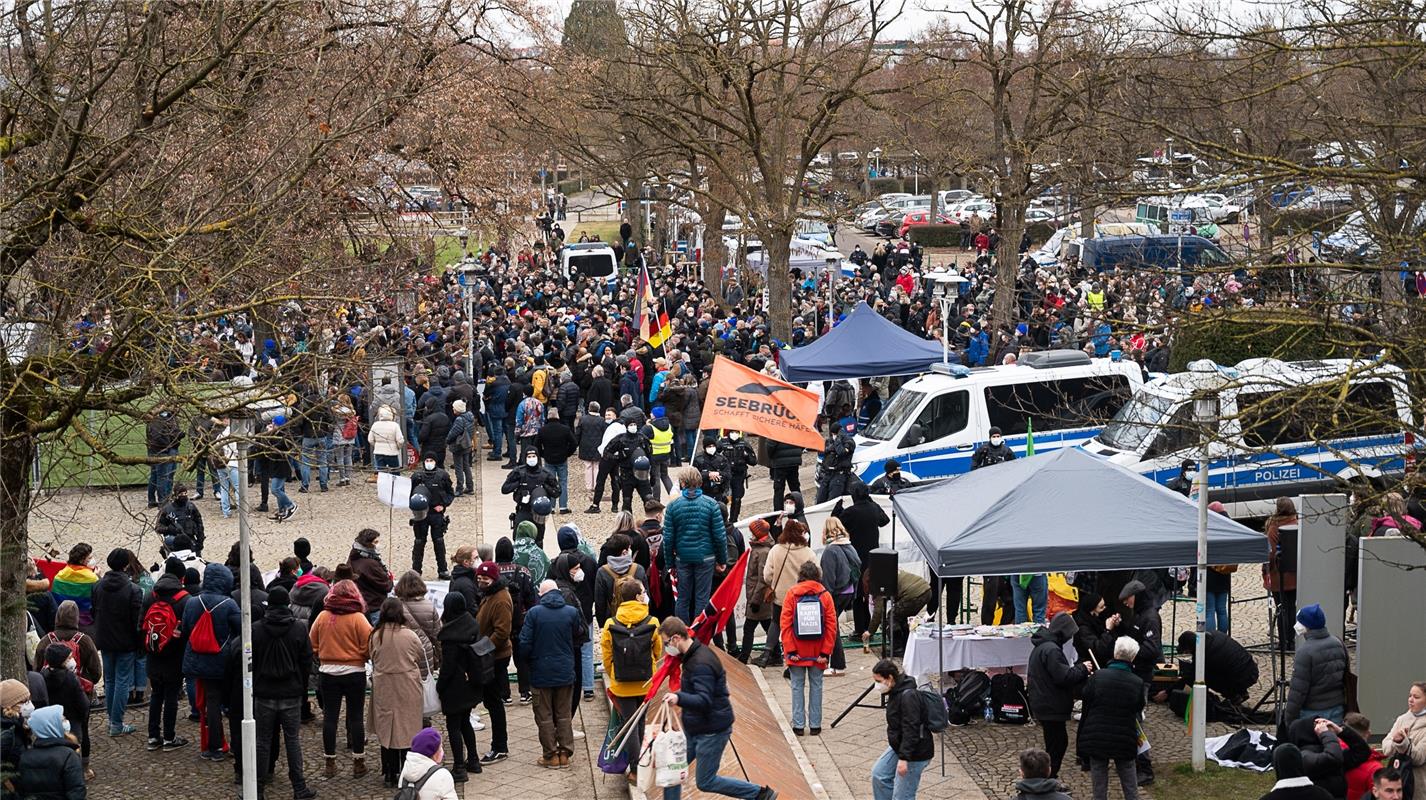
1414, 745
396, 700
780, 571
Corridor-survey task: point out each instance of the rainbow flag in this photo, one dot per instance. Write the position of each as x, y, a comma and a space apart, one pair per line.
76, 583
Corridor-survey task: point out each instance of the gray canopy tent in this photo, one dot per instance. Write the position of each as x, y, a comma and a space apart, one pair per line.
1064, 511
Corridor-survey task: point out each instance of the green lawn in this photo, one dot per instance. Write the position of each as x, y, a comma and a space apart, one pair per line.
606, 230
1180, 782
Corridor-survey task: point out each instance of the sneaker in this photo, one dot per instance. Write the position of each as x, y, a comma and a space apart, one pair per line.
286, 515
211, 755
324, 488
494, 756
153, 744
305, 793
302, 490
137, 700
767, 793
459, 775
588, 695
175, 743
564, 511
508, 701
262, 509
444, 575
525, 698
833, 673
593, 509
493, 457
122, 730
814, 731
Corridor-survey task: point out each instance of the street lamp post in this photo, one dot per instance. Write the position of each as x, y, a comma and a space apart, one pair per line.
916, 173
467, 286
1207, 382
242, 428
876, 154
464, 235
944, 294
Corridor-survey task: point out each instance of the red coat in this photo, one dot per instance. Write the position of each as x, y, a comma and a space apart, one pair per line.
808, 652
982, 241
1359, 778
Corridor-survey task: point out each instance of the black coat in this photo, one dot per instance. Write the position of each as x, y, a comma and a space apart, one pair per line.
51, 770
1322, 758
555, 441
1093, 638
704, 693
434, 430
601, 391
458, 683
168, 663
1052, 679
463, 583
780, 455
118, 604
65, 692
1109, 727
863, 522
906, 730
591, 434
278, 631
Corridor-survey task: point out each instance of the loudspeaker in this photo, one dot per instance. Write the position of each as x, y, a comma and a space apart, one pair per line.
881, 569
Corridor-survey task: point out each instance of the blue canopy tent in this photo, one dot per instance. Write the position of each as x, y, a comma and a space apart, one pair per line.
864, 345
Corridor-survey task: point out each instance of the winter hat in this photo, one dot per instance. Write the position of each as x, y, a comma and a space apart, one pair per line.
301, 547
426, 742
56, 654
1063, 627
760, 528
658, 412
277, 597
279, 420
118, 559
13, 693
504, 550
710, 438
173, 567
568, 537
48, 722
191, 577
1312, 617
1130, 589
459, 407
487, 569
1088, 600
1287, 762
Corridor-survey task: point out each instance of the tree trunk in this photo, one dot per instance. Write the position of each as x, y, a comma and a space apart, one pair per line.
17, 454
778, 246
1006, 305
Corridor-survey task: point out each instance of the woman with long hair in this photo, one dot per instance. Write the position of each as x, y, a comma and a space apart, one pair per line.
780, 575
340, 637
1279, 577
398, 663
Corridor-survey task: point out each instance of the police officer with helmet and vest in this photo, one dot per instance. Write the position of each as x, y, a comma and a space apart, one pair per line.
630, 450
660, 434
534, 488
431, 495
835, 477
739, 455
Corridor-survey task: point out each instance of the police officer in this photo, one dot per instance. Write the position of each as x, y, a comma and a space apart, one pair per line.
660, 435
714, 467
627, 448
835, 477
992, 452
891, 481
740, 456
529, 482
434, 484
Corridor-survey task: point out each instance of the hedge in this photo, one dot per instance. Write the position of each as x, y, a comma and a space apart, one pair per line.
880, 186
1308, 219
1230, 337
936, 235
571, 186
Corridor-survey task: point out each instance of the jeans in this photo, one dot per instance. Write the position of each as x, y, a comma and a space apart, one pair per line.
342, 460
561, 471
228, 491
705, 753
202, 470
695, 587
1039, 594
887, 785
161, 477
118, 682
465, 482
333, 689
163, 707
271, 715
1215, 612
283, 502
586, 652
316, 451
811, 716
390, 464
496, 431
1099, 778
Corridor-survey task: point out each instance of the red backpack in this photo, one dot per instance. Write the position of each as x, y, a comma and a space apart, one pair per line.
73, 644
204, 639
160, 624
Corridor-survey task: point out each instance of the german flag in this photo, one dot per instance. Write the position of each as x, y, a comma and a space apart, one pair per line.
654, 326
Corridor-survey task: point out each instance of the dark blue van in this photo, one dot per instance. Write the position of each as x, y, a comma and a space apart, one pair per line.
1167, 252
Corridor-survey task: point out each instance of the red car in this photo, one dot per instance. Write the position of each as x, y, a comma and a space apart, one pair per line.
916, 218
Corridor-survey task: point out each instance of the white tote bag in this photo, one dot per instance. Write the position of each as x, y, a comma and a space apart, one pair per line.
647, 769
430, 700
671, 752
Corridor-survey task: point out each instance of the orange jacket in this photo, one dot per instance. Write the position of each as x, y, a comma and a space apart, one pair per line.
808, 652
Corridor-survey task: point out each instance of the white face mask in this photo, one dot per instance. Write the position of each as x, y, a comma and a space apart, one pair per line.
430, 465
71, 666
884, 688
26, 709
735, 436
644, 598
789, 508
1300, 628
996, 440
1191, 474
532, 461
632, 428
712, 451
577, 576
671, 648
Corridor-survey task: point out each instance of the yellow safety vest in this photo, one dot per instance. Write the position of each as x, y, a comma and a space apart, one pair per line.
1096, 300
662, 441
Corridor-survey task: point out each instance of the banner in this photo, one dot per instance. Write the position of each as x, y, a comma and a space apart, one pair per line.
393, 490
744, 400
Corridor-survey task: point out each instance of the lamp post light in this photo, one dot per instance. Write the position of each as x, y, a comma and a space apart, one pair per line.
468, 279
1208, 381
876, 154
242, 427
945, 288
916, 173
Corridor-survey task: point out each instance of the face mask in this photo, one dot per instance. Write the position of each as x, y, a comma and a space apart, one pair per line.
632, 428
790, 508
66, 726
884, 688
26, 709
71, 666
644, 598
711, 450
1300, 628
735, 436
577, 576
1191, 474
530, 462
671, 648
430, 465
995, 441
93, 564
609, 418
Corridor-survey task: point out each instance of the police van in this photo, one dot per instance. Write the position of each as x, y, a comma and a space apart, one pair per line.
1284, 428
592, 260
935, 422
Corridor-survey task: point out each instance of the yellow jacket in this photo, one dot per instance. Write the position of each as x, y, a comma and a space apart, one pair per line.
629, 613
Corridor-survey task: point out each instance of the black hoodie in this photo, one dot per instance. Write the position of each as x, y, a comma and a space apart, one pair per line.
1051, 678
280, 643
168, 663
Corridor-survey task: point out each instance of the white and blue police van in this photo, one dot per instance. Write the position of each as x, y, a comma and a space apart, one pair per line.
1282, 429
934, 423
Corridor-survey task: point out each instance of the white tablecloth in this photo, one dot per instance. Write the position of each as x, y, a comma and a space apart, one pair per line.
964, 652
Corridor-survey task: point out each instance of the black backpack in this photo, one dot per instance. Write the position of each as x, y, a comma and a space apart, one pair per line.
967, 699
1008, 703
412, 791
633, 647
278, 662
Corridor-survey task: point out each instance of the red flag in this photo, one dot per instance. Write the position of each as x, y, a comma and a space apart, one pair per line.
710, 622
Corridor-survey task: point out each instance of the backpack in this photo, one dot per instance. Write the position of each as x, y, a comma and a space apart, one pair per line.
838, 395
204, 639
412, 791
967, 699
632, 647
807, 622
937, 718
349, 428
277, 663
619, 581
1401, 762
1007, 699
160, 624
73, 644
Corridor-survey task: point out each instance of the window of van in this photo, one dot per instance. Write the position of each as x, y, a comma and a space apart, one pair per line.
891, 419
1056, 405
594, 265
1179, 433
1310, 413
946, 414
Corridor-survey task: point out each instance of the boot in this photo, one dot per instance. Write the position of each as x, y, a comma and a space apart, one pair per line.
418, 551
329, 770
358, 766
440, 548
458, 774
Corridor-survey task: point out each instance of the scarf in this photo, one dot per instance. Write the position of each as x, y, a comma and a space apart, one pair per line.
344, 598
620, 563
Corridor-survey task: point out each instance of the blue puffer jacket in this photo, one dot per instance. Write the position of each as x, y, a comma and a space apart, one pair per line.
704, 693
693, 530
547, 640
227, 621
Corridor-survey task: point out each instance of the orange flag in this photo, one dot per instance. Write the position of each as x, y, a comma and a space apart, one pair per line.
741, 399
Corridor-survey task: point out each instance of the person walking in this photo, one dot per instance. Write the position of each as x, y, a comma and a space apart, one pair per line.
910, 744
707, 715
461, 683
165, 657
340, 635
841, 574
630, 648
1319, 667
281, 660
1053, 682
423, 768
809, 632
398, 663
556, 443
275, 452
202, 656
784, 562
548, 641
494, 618
1109, 726
1408, 735
118, 607
695, 543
